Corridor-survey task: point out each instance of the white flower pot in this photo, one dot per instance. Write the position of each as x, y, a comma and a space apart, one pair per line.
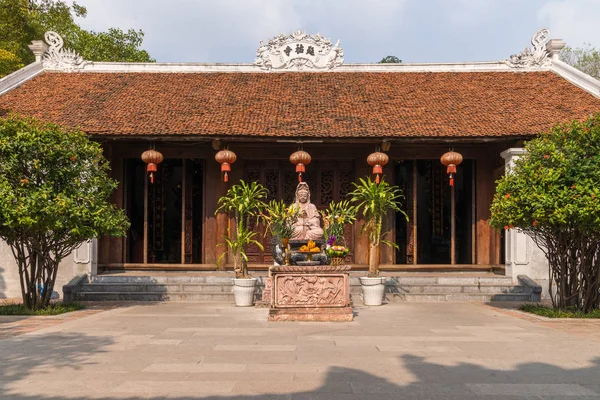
243, 291
372, 289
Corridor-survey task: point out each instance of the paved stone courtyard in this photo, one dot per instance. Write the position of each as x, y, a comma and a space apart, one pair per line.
217, 351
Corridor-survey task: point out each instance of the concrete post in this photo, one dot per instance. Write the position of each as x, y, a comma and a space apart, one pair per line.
518, 244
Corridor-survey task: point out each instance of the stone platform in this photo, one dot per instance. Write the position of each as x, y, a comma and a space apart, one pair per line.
312, 293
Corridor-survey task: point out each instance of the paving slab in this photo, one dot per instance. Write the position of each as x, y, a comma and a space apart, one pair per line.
217, 351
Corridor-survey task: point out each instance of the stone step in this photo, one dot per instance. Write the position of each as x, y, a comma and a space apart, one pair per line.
443, 280
458, 297
449, 289
158, 288
163, 279
219, 288
141, 296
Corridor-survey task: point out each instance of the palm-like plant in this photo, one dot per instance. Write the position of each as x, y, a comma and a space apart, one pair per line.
374, 201
245, 202
281, 218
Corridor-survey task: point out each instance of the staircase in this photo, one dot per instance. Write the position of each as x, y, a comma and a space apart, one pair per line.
440, 287
399, 287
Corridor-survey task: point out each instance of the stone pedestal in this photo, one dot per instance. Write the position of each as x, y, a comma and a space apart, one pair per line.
315, 293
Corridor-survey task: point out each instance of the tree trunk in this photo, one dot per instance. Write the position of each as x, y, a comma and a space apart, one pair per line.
373, 270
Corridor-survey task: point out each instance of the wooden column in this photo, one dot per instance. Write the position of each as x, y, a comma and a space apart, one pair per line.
473, 215
414, 210
183, 204
485, 192
146, 188
452, 226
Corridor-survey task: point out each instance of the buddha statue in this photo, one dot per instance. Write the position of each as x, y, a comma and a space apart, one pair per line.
308, 226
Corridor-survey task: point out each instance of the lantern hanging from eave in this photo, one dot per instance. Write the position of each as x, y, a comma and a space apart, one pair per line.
225, 158
152, 158
451, 159
378, 160
301, 159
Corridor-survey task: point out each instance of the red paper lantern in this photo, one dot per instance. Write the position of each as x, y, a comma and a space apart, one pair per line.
378, 160
225, 158
451, 159
300, 159
152, 158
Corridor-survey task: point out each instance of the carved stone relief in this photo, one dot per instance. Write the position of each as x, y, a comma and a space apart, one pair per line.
536, 56
299, 51
309, 290
57, 57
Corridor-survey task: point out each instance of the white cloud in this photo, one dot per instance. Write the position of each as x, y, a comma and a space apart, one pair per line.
574, 21
230, 30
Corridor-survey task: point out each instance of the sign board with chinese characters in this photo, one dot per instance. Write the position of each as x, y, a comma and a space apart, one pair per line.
299, 51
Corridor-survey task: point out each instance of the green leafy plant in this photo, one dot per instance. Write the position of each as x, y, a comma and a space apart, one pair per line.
374, 201
245, 202
22, 21
281, 218
50, 309
552, 194
335, 217
54, 195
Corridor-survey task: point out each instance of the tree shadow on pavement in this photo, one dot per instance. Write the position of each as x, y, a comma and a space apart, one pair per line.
422, 379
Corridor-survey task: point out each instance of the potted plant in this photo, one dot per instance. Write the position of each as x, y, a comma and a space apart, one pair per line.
280, 220
245, 202
335, 217
374, 200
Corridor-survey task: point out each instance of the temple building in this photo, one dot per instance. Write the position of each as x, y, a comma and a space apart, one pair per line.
299, 94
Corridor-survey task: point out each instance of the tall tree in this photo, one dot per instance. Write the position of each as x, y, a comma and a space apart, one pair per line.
22, 21
552, 194
585, 59
54, 194
390, 60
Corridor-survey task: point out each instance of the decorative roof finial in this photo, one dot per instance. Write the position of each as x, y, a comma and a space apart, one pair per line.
299, 50
536, 56
59, 58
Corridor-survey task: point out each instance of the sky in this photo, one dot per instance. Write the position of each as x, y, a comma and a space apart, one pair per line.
368, 30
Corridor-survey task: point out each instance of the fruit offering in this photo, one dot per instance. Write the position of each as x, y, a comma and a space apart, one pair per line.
310, 247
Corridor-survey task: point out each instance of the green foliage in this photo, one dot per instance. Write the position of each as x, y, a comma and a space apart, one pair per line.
281, 218
374, 201
22, 21
246, 203
54, 194
552, 194
390, 60
335, 217
51, 309
554, 313
585, 59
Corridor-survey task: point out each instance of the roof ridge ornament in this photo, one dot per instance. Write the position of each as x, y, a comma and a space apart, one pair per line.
536, 56
58, 57
299, 51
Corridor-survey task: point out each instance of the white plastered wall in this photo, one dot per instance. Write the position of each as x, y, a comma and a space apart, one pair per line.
81, 261
523, 256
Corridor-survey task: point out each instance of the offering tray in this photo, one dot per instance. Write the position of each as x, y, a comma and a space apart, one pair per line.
309, 255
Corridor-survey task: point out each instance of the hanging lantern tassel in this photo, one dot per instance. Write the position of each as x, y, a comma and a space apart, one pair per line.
300, 168
225, 158
378, 160
451, 160
301, 159
152, 158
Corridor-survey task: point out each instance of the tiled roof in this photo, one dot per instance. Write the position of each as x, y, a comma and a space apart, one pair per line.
353, 104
